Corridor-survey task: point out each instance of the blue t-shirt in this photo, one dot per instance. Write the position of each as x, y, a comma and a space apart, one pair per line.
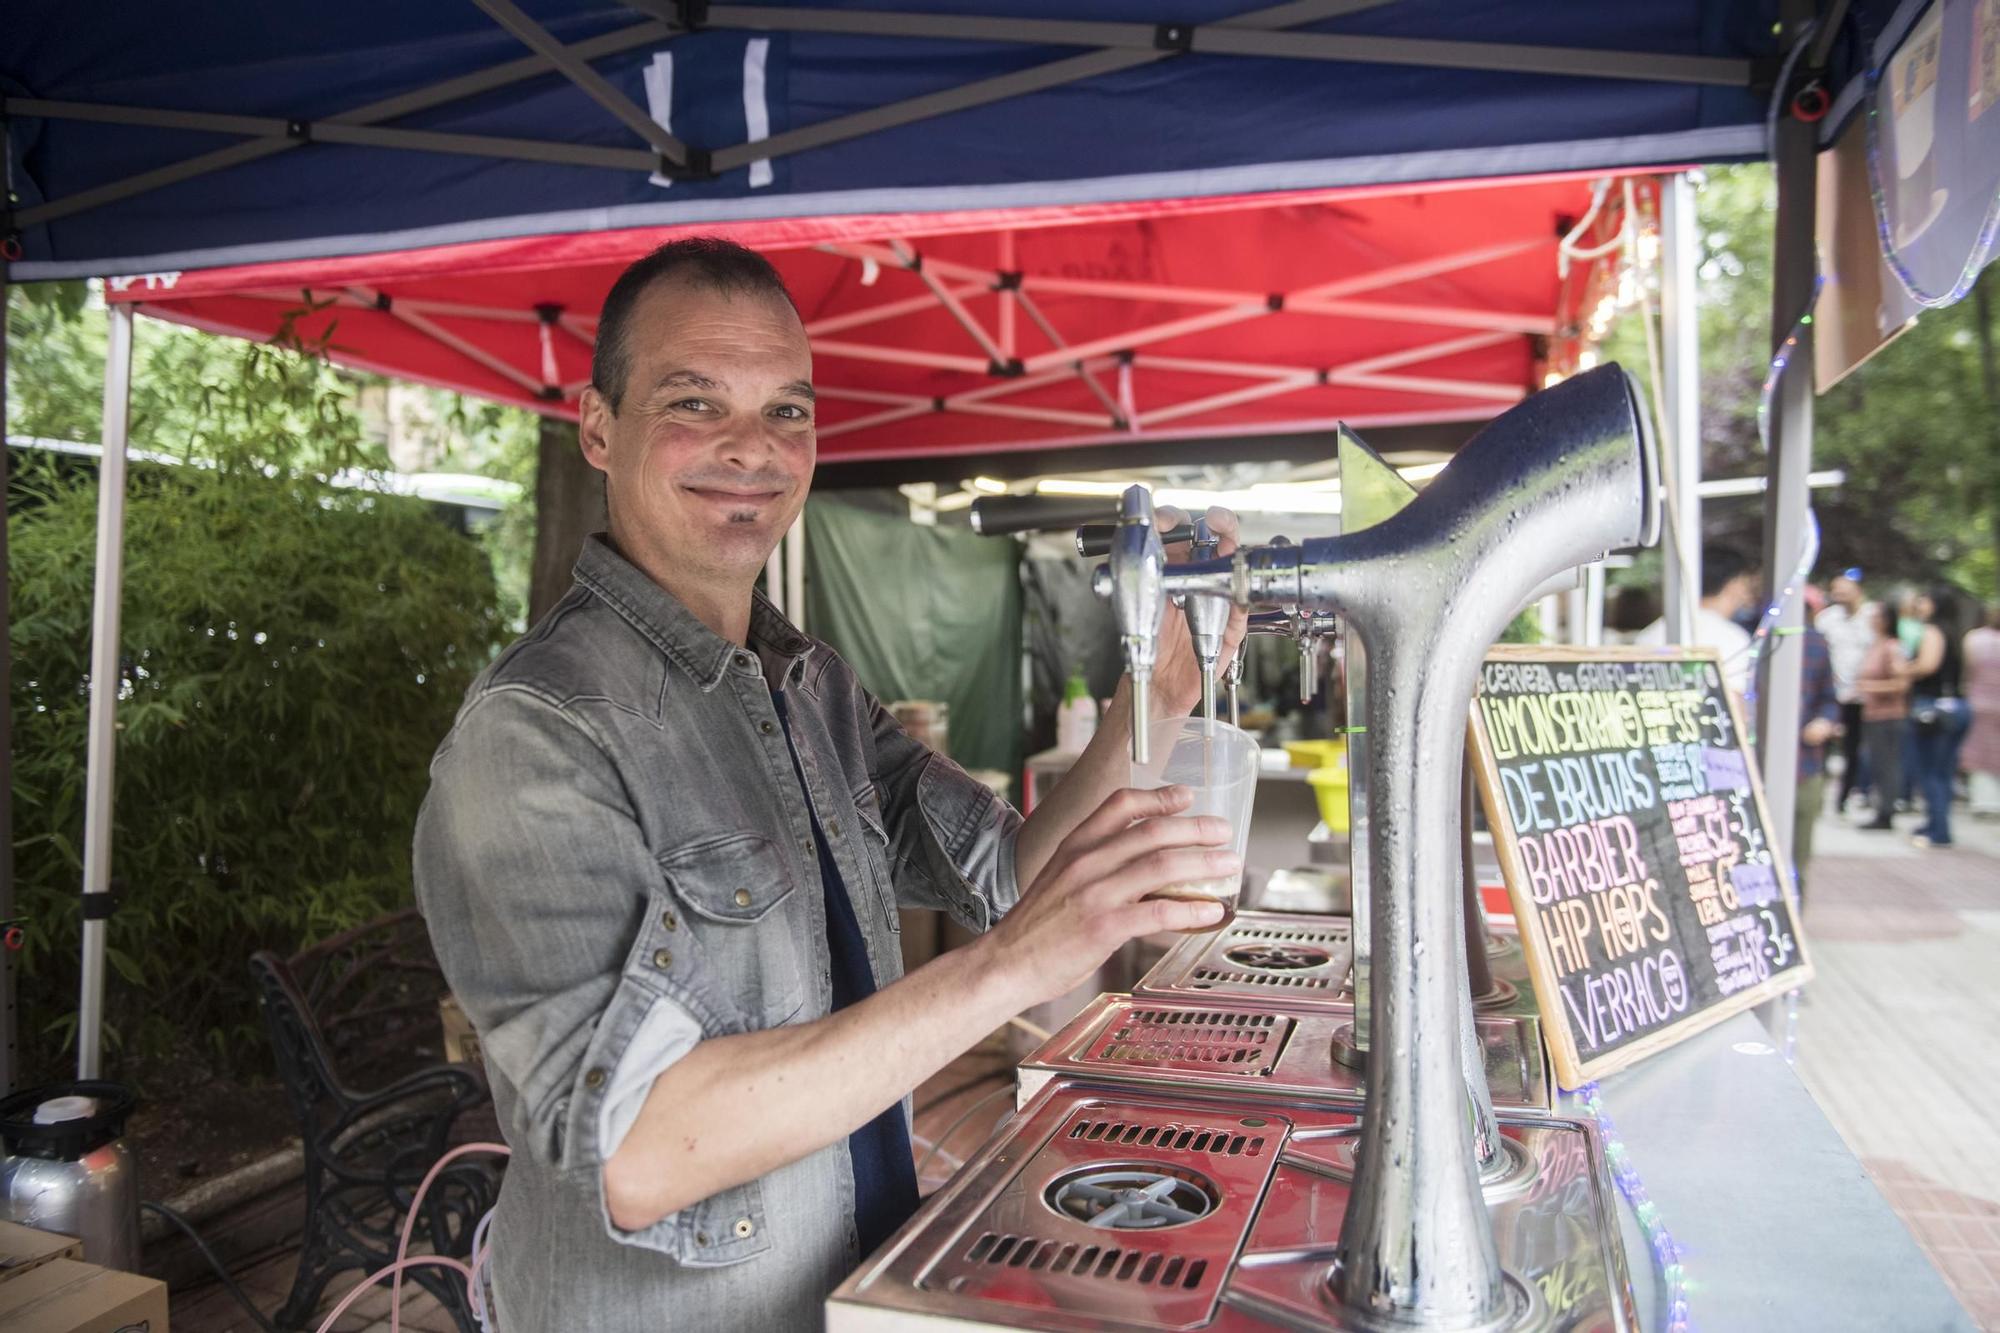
885, 1174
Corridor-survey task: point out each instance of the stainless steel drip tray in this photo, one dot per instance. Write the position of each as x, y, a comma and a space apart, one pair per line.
1129, 1211
1212, 1046
1555, 1224
1299, 960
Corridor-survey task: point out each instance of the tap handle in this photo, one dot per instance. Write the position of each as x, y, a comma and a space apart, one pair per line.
1094, 539
1204, 540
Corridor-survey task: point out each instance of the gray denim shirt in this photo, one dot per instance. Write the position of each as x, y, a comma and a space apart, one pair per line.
616, 862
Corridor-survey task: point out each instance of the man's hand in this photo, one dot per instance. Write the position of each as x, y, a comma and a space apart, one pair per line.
1091, 896
1818, 731
1177, 672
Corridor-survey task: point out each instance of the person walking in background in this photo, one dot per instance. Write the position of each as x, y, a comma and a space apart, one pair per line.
1848, 633
1938, 714
1729, 585
1885, 711
1981, 655
1819, 723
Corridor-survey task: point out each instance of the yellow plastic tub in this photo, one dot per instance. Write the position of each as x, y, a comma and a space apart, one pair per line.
1330, 790
1317, 754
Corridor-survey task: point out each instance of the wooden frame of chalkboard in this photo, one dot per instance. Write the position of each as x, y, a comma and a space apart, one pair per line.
1647, 835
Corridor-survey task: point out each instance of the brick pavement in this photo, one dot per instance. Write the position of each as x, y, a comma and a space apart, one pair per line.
1898, 1036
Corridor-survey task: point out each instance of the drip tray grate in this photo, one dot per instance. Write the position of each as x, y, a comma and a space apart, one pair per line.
1264, 955
1214, 1041
1109, 1263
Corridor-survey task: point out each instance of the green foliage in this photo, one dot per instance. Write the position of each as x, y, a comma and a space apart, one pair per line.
1916, 428
291, 654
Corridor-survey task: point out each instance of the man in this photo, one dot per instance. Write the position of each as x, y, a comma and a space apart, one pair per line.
666, 841
1848, 633
1729, 586
1819, 722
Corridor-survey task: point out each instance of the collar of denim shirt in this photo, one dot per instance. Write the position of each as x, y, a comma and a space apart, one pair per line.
680, 634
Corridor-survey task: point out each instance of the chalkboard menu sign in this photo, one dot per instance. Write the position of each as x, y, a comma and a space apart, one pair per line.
1652, 898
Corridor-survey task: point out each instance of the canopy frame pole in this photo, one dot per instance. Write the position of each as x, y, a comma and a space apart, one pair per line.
887, 417
1680, 322
983, 92
901, 356
1033, 311
1101, 394
403, 104
8, 1051
875, 314
1230, 398
1006, 302
444, 337
106, 679
1227, 39
953, 306
1787, 500
1367, 366
795, 573
594, 85
1261, 34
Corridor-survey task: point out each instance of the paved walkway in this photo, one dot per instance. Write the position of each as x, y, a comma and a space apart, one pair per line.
1898, 1038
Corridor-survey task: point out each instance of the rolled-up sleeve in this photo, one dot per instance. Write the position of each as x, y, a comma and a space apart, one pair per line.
535, 880
951, 838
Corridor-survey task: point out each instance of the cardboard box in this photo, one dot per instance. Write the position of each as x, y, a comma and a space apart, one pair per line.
461, 1043
23, 1248
64, 1296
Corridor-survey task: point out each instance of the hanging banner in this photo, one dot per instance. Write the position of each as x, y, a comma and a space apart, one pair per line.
1937, 149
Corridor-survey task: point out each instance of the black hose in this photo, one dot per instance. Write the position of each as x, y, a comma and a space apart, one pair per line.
213, 1262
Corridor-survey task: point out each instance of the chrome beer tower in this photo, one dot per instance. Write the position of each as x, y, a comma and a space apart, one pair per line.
1562, 479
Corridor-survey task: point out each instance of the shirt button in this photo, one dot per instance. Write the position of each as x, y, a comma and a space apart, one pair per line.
667, 920
744, 1228
701, 1238
594, 1079
767, 726
662, 959
833, 828
743, 897
743, 660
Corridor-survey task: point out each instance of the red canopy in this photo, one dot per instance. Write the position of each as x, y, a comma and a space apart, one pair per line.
1018, 328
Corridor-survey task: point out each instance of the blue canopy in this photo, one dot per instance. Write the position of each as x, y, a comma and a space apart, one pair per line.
145, 137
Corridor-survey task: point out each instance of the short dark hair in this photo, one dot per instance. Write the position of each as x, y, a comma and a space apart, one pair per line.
1720, 566
706, 261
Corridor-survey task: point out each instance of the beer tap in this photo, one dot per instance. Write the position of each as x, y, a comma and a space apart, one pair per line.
1231, 678
1208, 621
1138, 602
1559, 480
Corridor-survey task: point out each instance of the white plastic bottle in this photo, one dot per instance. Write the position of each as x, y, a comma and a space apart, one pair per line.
1076, 720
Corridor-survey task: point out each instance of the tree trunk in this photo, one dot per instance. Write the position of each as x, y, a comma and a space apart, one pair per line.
1989, 371
569, 506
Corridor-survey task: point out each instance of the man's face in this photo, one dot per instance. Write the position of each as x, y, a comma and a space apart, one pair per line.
709, 455
1845, 592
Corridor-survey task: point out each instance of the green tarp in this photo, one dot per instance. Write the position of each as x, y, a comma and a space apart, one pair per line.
923, 613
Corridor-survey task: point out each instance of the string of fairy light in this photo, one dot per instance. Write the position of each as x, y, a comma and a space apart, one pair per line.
1666, 1251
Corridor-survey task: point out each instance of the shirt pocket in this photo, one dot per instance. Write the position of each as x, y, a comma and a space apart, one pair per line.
744, 919
875, 850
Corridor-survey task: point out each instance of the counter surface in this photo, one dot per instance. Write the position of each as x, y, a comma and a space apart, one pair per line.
1779, 1226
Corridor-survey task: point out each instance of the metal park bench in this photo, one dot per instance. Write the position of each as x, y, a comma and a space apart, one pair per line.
357, 1006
